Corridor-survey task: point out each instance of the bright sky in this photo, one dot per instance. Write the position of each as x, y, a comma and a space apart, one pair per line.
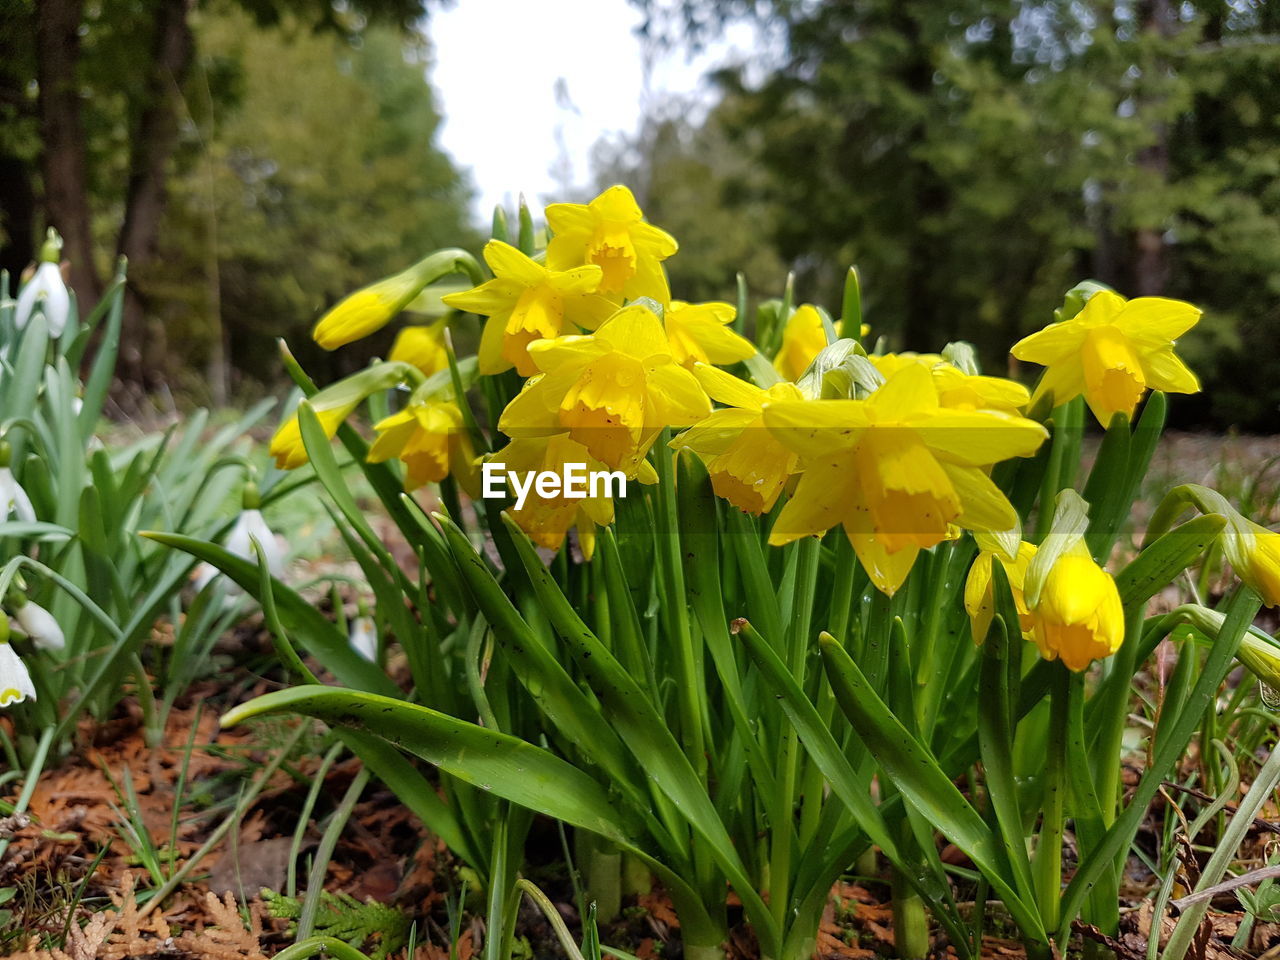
528, 86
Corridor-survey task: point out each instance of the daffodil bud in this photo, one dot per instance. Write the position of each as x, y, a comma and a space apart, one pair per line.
15, 679
333, 405
422, 347
803, 338
1261, 566
373, 307
1078, 618
979, 601
47, 289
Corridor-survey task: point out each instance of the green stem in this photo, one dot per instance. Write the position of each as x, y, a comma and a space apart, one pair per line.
321, 947
910, 922
1047, 867
324, 852
33, 775
783, 819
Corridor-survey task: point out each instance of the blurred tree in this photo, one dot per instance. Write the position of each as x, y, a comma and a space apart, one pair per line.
976, 157
109, 81
317, 174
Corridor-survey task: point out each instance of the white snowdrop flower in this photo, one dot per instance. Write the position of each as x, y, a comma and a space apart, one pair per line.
13, 499
364, 638
48, 290
39, 624
15, 679
249, 526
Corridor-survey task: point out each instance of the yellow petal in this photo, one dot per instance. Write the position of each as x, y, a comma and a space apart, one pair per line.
1046, 347
678, 399
982, 504
886, 570
490, 298
1156, 321
490, 358
814, 428
827, 492
978, 438
1166, 371
727, 389
908, 392
635, 331
508, 263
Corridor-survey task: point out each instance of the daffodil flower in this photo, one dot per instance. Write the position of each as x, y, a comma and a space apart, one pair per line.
430, 438
547, 520
746, 463
979, 601
1113, 351
421, 346
363, 637
803, 338
956, 389
39, 626
896, 469
525, 302
610, 232
700, 333
613, 391
1077, 617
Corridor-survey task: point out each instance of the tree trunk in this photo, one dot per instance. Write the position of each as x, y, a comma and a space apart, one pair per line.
66, 193
1150, 263
154, 138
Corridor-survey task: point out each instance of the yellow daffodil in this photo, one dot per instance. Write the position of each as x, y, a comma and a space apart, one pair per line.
1113, 351
1077, 617
613, 390
547, 520
611, 233
373, 307
957, 389
979, 600
896, 469
421, 346
1260, 568
699, 333
803, 338
332, 405
430, 438
746, 463
286, 444
525, 302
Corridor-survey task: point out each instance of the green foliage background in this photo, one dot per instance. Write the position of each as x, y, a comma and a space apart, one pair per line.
976, 158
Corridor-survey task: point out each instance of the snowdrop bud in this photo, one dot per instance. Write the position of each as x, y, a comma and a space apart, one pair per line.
39, 624
47, 289
364, 638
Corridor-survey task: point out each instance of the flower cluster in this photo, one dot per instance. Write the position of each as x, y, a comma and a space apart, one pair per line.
896, 449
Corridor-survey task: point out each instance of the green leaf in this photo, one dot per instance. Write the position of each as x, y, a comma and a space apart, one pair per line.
914, 771
1160, 563
325, 641
642, 728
